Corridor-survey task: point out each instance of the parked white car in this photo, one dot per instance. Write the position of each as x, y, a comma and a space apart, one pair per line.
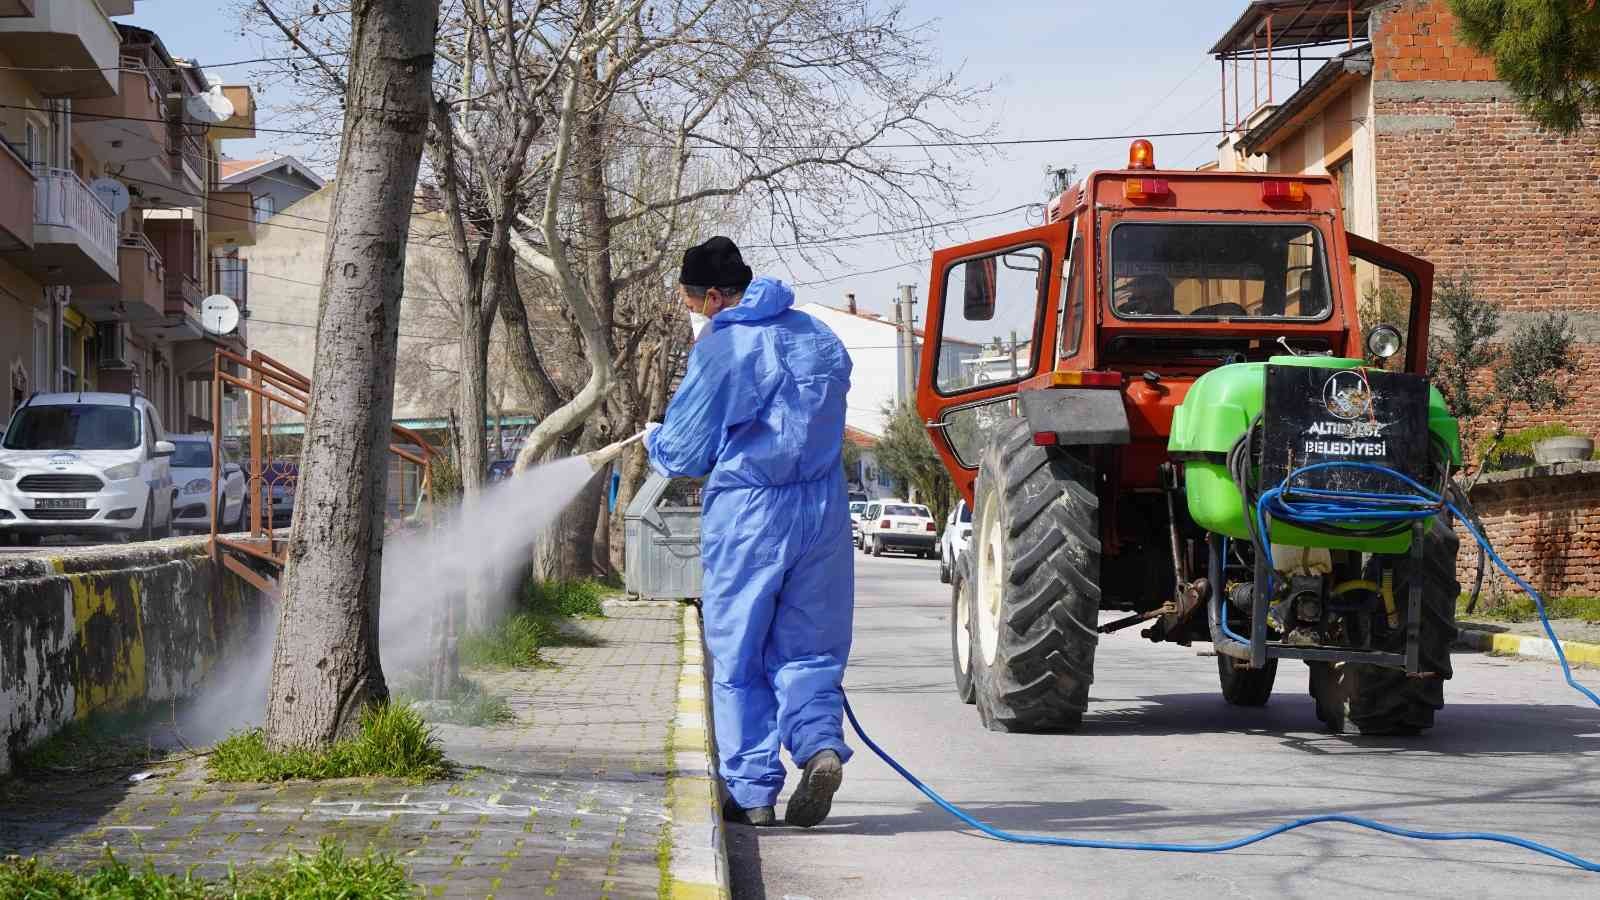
957, 535
89, 464
856, 508
895, 525
191, 471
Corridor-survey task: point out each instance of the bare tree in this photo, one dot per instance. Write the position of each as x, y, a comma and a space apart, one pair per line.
325, 666
588, 141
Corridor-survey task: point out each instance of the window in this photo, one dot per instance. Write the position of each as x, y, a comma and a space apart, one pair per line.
41, 352
912, 511
1343, 173
967, 429
35, 144
1072, 305
991, 310
73, 428
192, 455
69, 359
266, 206
1218, 271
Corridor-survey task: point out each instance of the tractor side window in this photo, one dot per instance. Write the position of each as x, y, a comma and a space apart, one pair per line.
968, 429
1072, 306
1384, 297
991, 314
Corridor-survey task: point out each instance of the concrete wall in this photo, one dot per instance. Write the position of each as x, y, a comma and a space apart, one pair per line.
85, 630
1545, 523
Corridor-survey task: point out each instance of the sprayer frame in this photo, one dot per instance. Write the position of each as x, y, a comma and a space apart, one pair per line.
1259, 649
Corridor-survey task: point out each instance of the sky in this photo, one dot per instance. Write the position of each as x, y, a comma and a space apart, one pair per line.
1058, 69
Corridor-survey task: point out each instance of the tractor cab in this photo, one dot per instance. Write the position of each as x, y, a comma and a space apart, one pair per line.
1142, 281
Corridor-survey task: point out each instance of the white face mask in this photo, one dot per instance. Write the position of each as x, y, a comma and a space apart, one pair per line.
697, 324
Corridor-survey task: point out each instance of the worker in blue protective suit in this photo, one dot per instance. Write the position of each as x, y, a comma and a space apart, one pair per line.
761, 413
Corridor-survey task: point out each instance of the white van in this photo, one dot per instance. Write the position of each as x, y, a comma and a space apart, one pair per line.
88, 464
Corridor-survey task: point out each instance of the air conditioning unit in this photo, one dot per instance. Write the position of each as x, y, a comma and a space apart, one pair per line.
112, 340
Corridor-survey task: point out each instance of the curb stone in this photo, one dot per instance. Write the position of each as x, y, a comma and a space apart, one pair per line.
699, 864
1527, 645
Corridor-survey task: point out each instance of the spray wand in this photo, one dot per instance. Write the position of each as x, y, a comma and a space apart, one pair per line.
599, 458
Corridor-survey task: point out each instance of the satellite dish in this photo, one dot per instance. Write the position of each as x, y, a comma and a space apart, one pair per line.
219, 314
113, 193
211, 107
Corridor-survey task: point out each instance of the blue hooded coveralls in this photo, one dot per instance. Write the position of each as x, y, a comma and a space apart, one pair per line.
762, 410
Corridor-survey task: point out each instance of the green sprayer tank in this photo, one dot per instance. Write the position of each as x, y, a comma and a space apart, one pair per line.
1219, 408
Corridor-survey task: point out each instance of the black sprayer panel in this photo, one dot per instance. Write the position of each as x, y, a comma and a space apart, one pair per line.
1315, 415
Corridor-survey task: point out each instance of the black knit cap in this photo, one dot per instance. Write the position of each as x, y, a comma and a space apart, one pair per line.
715, 264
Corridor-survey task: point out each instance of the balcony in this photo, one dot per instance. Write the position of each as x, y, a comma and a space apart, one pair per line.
16, 201
74, 235
231, 217
243, 122
187, 159
67, 48
141, 295
130, 125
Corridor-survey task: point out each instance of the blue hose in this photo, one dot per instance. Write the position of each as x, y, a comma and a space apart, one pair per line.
1222, 613
1324, 507
1218, 847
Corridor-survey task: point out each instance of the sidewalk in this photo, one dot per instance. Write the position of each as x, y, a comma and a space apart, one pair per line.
570, 800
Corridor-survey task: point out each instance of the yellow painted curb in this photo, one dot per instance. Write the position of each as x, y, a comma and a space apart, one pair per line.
697, 866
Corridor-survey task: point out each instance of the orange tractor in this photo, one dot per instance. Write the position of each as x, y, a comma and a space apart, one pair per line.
1117, 392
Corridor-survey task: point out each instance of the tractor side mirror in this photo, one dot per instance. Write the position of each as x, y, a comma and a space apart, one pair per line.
978, 289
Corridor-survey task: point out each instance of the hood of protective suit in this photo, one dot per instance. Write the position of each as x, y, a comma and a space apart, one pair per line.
765, 298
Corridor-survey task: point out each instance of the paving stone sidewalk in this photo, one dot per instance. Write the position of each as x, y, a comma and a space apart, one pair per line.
570, 800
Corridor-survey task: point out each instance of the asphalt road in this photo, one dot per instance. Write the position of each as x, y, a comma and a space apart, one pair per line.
1161, 757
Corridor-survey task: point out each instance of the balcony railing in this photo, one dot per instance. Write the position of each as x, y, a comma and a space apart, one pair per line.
231, 277
60, 198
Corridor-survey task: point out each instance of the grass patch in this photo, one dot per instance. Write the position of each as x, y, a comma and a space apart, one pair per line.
1521, 609
100, 741
328, 873
394, 742
466, 703
1515, 450
536, 624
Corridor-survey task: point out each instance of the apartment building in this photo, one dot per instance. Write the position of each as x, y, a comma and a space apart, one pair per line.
112, 208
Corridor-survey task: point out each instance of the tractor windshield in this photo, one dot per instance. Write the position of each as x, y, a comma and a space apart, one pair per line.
1217, 270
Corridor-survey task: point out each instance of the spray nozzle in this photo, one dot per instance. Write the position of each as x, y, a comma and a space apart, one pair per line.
599, 458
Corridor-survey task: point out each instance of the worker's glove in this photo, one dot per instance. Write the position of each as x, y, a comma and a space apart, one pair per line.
649, 428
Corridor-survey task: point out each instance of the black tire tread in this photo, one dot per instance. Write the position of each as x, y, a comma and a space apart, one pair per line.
1044, 665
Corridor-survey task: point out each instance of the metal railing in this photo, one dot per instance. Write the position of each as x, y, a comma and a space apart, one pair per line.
269, 385
61, 198
153, 261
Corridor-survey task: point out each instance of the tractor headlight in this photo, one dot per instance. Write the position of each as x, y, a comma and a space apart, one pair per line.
1383, 341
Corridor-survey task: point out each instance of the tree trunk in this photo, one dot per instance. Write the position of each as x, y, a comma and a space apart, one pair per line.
325, 666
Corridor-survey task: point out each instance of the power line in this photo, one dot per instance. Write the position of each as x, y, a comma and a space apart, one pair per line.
910, 145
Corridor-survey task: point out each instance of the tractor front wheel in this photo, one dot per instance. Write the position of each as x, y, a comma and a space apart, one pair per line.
1035, 568
1244, 686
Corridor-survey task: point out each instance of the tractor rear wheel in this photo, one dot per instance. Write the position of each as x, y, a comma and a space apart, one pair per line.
1035, 568
1244, 686
1379, 700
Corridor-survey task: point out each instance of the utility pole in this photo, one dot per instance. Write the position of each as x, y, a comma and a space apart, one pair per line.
906, 338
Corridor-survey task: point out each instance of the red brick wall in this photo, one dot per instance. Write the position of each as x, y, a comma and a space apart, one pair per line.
1547, 529
1416, 41
1465, 180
